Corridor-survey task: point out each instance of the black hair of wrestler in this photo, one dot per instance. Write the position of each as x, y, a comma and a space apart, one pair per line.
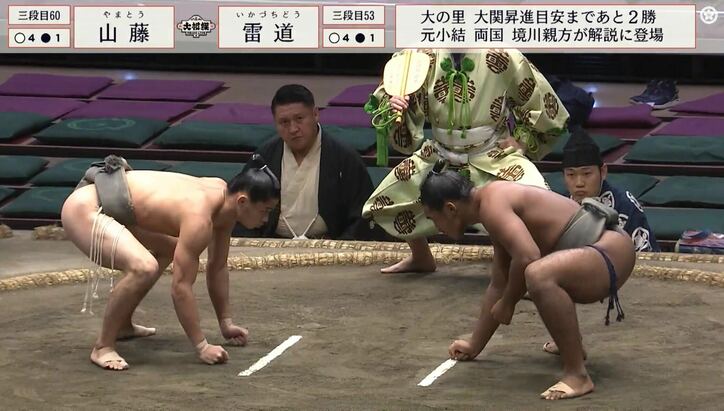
257, 181
290, 94
441, 186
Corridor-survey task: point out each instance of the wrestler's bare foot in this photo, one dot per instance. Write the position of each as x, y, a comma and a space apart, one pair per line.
410, 265
570, 386
135, 331
551, 348
108, 359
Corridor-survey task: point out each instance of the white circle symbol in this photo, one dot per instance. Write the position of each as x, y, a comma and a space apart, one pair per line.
708, 15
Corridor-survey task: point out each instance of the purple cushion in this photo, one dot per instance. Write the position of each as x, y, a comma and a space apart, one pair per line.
172, 90
345, 116
52, 85
636, 116
713, 104
154, 110
693, 127
355, 96
49, 107
235, 113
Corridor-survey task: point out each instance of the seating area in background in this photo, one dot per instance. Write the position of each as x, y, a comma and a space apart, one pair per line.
673, 162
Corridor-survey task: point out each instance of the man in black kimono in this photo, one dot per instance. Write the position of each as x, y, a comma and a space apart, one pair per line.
324, 182
585, 176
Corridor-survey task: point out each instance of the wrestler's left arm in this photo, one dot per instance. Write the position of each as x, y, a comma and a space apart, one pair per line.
217, 282
508, 230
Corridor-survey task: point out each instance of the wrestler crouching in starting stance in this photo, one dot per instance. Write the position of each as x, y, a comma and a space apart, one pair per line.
562, 252
141, 221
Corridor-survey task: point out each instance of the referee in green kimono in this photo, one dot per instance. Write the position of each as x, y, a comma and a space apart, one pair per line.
467, 99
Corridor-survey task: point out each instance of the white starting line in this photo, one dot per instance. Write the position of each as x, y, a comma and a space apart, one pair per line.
265, 360
279, 350
437, 372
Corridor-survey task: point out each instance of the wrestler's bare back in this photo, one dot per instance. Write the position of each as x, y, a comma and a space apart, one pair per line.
162, 200
544, 213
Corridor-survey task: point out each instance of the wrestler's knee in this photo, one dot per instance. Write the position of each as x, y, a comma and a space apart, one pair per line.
144, 269
537, 276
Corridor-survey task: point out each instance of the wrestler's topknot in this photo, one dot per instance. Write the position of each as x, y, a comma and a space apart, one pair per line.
442, 186
257, 180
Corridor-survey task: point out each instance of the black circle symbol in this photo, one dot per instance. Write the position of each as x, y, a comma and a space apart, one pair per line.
360, 38
45, 37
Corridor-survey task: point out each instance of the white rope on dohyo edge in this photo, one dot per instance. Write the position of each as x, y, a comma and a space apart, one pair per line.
56, 233
446, 255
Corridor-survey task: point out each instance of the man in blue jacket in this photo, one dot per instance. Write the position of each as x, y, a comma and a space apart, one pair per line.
585, 176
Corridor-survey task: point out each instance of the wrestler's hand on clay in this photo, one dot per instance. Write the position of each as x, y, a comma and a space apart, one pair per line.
400, 104
234, 335
502, 312
463, 350
213, 354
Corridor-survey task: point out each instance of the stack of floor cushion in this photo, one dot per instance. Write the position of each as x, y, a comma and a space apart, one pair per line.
636, 184
344, 117
362, 139
69, 172
713, 104
224, 126
37, 202
694, 127
671, 223
235, 113
225, 171
54, 185
130, 132
351, 125
110, 123
635, 116
113, 123
22, 116
687, 191
683, 141
678, 149
154, 110
625, 122
604, 142
163, 90
704, 197
19, 169
353, 96
38, 99
5, 193
53, 85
